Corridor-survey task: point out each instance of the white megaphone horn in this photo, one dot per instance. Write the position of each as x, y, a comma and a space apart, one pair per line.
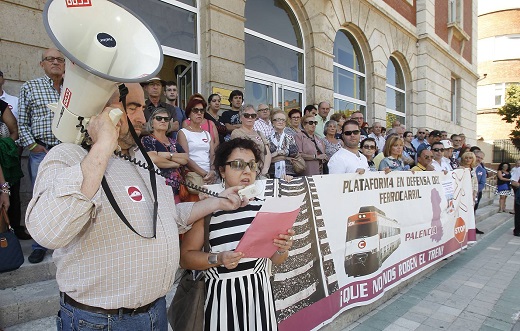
105, 44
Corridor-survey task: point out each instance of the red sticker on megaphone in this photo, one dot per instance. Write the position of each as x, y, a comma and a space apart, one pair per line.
78, 3
66, 97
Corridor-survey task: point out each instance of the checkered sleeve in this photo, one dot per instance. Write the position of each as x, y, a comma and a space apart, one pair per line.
24, 117
183, 215
58, 210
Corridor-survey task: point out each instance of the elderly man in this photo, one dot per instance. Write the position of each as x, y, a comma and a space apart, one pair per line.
35, 119
378, 136
154, 88
323, 113
424, 160
456, 140
348, 159
107, 274
419, 138
263, 122
359, 118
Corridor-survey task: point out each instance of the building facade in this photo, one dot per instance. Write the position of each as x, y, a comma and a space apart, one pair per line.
498, 64
411, 60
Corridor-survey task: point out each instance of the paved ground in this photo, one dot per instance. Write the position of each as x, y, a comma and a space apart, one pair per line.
478, 289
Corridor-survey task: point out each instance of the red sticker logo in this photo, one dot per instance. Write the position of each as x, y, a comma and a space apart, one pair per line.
66, 97
135, 193
362, 244
78, 3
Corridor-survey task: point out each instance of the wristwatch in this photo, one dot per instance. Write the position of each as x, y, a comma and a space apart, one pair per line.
212, 258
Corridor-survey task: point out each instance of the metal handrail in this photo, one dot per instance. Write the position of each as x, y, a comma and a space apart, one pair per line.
491, 170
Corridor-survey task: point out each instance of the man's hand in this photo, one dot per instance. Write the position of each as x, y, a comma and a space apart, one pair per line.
232, 200
360, 171
102, 131
39, 149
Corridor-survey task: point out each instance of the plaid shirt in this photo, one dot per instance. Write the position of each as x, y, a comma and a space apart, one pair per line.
99, 261
263, 126
34, 118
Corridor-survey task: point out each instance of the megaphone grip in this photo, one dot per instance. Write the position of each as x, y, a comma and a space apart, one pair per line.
115, 115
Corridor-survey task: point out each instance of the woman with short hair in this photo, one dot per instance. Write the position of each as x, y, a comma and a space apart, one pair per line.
282, 146
311, 147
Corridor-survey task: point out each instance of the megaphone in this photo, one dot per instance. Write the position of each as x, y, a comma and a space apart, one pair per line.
105, 44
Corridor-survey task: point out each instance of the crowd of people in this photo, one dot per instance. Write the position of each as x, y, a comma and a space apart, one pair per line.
81, 195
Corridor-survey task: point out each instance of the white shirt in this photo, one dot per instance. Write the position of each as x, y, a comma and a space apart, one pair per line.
12, 101
380, 142
444, 165
344, 161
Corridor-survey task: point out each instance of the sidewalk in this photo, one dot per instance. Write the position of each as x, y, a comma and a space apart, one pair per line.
477, 289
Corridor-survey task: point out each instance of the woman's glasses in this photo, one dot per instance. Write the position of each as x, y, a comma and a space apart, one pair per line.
311, 122
369, 147
198, 110
278, 119
248, 115
241, 165
162, 118
353, 132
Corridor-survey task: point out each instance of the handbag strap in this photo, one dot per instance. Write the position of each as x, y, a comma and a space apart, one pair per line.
4, 217
318, 150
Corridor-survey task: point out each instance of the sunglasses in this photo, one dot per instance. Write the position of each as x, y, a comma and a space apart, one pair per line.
438, 149
247, 115
421, 132
369, 147
198, 110
241, 165
349, 133
162, 118
278, 119
311, 122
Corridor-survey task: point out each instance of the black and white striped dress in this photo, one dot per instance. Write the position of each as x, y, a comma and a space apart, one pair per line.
240, 298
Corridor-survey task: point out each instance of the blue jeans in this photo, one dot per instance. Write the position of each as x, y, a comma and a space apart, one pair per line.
34, 163
74, 319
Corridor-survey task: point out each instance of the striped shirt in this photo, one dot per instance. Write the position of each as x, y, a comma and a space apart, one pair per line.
34, 117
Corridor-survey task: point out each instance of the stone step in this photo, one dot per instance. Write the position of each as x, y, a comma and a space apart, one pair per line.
29, 273
28, 302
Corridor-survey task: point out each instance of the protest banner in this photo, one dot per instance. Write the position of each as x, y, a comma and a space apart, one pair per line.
358, 236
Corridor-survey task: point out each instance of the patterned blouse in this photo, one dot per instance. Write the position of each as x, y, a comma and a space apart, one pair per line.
173, 175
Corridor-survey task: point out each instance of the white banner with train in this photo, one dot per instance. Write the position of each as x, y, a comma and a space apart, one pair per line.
360, 235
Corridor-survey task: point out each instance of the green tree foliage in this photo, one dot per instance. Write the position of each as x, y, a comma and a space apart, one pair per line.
510, 112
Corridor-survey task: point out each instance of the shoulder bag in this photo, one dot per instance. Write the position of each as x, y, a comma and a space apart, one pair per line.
186, 312
298, 164
11, 255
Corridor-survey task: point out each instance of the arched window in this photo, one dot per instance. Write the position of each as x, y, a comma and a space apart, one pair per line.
273, 55
349, 75
395, 93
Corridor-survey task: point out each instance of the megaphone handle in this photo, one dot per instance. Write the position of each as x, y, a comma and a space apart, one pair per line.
115, 115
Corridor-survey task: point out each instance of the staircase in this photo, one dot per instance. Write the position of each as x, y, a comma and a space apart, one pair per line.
29, 297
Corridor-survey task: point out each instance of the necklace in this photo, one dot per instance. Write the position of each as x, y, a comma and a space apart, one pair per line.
192, 129
167, 146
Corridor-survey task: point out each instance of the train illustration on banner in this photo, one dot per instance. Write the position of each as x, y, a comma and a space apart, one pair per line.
371, 238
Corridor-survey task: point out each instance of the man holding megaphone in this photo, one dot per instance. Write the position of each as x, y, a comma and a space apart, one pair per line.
107, 274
